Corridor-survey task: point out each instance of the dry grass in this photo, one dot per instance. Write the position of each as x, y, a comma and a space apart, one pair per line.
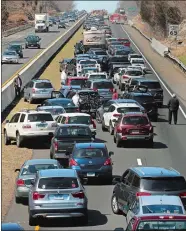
13, 157
17, 18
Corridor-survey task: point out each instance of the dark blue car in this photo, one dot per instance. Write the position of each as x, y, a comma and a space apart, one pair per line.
92, 161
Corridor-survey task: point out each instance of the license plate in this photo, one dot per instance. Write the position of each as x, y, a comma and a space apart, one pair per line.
44, 91
91, 174
59, 197
41, 125
135, 132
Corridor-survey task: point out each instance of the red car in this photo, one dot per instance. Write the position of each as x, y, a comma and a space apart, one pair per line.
157, 222
124, 41
75, 81
133, 126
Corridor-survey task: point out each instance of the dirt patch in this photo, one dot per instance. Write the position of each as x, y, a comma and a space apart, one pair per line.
13, 157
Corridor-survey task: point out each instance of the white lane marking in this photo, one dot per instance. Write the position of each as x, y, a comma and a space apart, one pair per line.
159, 78
139, 162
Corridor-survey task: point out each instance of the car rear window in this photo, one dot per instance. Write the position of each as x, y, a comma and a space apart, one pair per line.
151, 85
90, 153
40, 117
77, 82
43, 85
10, 53
97, 77
73, 131
64, 103
32, 169
100, 53
103, 85
135, 120
122, 52
167, 224
134, 73
58, 183
149, 209
53, 111
128, 109
80, 120
163, 184
138, 61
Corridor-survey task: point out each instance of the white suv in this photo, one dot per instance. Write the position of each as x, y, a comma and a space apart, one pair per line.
28, 124
98, 75
114, 111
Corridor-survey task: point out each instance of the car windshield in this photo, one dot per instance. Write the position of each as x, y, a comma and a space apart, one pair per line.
63, 103
100, 53
80, 120
162, 225
122, 52
135, 120
161, 208
43, 85
144, 98
134, 73
32, 38
152, 85
53, 111
32, 169
90, 153
77, 82
14, 47
58, 183
128, 109
40, 117
163, 184
74, 131
138, 61
103, 85
9, 53
97, 76
87, 62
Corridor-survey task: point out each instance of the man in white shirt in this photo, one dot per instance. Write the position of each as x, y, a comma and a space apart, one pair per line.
75, 99
63, 77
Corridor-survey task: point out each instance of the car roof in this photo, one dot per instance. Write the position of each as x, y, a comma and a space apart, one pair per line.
155, 172
41, 161
140, 94
73, 114
58, 173
88, 145
160, 199
118, 105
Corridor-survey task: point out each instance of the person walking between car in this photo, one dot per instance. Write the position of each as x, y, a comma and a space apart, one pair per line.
17, 86
75, 99
115, 94
63, 76
173, 106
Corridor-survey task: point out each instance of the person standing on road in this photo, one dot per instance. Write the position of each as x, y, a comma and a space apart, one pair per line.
115, 94
75, 99
17, 86
63, 76
173, 106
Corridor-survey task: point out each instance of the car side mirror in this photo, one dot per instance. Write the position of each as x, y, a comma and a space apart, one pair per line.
17, 170
7, 121
111, 153
32, 182
116, 180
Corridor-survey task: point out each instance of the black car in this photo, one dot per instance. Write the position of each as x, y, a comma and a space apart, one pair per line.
61, 25
64, 139
153, 86
32, 41
17, 48
147, 101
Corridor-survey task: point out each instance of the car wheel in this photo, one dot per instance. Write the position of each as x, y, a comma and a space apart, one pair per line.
98, 119
25, 100
103, 126
33, 221
19, 140
118, 143
6, 138
39, 47
114, 205
18, 200
51, 156
111, 129
114, 81
108, 181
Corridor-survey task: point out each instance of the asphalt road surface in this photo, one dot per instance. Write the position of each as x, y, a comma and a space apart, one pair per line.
46, 39
169, 151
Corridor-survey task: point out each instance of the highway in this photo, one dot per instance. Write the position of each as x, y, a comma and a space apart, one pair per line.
8, 70
169, 151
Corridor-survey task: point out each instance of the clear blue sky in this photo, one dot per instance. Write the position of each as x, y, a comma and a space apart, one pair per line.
110, 6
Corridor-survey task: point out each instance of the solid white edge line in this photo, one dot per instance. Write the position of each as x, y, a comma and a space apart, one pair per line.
181, 109
139, 162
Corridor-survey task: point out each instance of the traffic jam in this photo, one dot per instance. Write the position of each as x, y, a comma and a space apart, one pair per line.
104, 85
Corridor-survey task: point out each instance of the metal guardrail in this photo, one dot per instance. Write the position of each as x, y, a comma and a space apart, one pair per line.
17, 29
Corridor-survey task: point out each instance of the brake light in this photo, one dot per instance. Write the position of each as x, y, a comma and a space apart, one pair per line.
93, 123
111, 89
118, 130
72, 162
183, 195
37, 196
125, 77
79, 195
95, 89
108, 162
33, 90
56, 145
151, 129
139, 194
116, 115
66, 121
20, 182
26, 126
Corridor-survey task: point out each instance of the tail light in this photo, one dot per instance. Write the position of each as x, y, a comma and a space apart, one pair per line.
54, 125
56, 145
33, 90
72, 162
151, 130
20, 182
93, 123
25, 126
79, 195
116, 115
118, 130
124, 131
125, 77
95, 89
183, 195
37, 196
111, 89
108, 162
139, 194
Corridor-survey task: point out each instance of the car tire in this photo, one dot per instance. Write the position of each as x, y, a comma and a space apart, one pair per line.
19, 140
103, 126
24, 99
33, 221
30, 100
114, 205
111, 130
155, 118
39, 47
118, 143
7, 140
114, 139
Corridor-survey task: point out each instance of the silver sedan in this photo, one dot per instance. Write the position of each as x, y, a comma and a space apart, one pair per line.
10, 57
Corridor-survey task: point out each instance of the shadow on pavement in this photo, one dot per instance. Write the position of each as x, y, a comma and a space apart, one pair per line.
100, 182
157, 145
97, 140
95, 219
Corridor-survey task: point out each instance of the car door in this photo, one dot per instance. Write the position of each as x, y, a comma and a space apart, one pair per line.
14, 125
107, 115
131, 225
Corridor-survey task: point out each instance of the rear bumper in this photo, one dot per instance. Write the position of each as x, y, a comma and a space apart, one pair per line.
136, 137
61, 155
41, 96
101, 174
22, 192
37, 133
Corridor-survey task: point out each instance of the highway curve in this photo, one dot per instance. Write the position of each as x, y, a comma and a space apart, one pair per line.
46, 39
169, 151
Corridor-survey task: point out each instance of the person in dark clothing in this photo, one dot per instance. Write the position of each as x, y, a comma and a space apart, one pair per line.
173, 106
115, 94
17, 86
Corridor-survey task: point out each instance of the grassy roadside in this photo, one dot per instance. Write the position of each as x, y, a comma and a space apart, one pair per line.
183, 59
13, 157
